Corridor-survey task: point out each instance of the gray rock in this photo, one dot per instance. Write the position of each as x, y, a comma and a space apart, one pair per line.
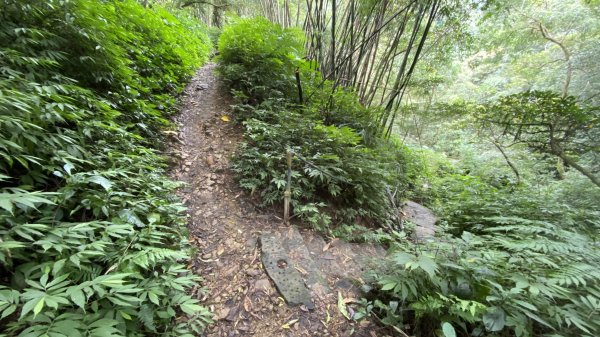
422, 217
287, 279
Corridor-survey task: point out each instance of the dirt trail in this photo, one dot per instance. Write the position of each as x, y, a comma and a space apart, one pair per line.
225, 226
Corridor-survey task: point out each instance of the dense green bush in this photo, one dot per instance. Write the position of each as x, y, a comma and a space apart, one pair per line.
331, 167
520, 278
91, 237
258, 58
465, 203
341, 107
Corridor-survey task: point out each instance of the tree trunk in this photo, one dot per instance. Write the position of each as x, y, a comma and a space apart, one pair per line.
569, 161
557, 150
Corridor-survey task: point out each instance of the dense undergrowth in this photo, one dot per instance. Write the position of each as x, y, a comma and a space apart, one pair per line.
518, 259
515, 263
515, 258
342, 168
92, 241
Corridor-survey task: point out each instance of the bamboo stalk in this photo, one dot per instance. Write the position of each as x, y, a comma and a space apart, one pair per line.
288, 190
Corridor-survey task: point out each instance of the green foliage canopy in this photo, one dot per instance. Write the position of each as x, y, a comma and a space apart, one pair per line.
547, 123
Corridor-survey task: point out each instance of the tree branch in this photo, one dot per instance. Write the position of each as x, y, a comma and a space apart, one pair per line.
189, 3
512, 166
566, 53
558, 151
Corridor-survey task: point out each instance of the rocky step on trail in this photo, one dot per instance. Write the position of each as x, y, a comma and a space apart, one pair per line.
240, 246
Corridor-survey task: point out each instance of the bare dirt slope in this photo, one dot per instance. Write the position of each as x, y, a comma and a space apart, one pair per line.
226, 226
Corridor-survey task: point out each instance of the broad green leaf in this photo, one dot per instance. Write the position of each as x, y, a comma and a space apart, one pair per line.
130, 217
448, 330
28, 306
389, 286
104, 323
153, 298
44, 280
190, 309
6, 204
402, 258
8, 311
153, 218
38, 307
526, 305
428, 265
125, 315
75, 259
68, 167
494, 319
28, 199
58, 266
78, 297
100, 180
11, 244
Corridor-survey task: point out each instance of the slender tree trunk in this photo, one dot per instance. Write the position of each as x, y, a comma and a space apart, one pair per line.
398, 91
366, 37
298, 13
333, 42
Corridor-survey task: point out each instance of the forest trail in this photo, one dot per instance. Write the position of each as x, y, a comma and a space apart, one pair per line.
226, 227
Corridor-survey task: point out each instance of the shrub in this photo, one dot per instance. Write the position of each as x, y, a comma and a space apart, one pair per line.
465, 202
92, 240
330, 167
258, 58
341, 107
522, 277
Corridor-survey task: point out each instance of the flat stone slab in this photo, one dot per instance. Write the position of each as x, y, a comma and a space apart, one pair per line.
280, 269
422, 217
294, 244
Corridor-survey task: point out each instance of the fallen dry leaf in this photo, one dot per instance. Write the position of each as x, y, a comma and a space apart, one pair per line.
225, 118
247, 304
289, 324
222, 314
209, 160
350, 300
302, 271
329, 244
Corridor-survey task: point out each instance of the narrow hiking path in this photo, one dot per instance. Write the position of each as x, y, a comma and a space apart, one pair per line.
226, 227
